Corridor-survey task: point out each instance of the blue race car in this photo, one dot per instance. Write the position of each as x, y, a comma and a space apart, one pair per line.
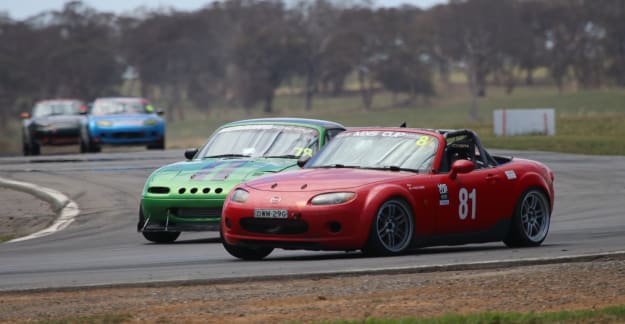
122, 121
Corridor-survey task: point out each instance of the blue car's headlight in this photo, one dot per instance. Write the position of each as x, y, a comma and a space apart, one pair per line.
333, 198
239, 195
104, 123
150, 122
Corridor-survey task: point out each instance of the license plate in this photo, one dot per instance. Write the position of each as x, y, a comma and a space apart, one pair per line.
271, 213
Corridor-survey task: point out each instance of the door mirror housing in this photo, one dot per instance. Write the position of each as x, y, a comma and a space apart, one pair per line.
461, 166
303, 160
190, 153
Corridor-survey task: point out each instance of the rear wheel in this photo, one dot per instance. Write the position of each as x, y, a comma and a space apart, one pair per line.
392, 230
530, 222
245, 253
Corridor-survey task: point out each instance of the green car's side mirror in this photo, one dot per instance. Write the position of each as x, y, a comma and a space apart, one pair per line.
190, 153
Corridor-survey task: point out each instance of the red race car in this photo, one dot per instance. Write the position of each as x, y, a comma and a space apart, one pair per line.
387, 190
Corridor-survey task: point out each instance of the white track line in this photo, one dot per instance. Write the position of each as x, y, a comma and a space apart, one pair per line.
66, 209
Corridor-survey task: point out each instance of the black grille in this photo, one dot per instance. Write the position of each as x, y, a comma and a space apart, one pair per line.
127, 135
158, 190
197, 212
274, 226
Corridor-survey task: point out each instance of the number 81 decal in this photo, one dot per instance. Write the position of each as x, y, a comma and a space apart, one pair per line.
466, 198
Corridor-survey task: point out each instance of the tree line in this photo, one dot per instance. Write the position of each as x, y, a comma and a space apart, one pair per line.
236, 53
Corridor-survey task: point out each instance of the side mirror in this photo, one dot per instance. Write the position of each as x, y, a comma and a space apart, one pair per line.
461, 166
25, 115
303, 160
190, 153
160, 112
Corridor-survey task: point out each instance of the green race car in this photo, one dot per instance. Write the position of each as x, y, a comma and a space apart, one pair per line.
188, 195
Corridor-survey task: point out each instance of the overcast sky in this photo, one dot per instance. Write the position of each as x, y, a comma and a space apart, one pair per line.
20, 9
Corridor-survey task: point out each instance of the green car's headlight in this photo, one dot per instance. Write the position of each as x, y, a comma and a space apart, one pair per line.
150, 122
104, 123
333, 198
239, 195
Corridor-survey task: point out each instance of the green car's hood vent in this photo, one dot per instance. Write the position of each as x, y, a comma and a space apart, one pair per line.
236, 170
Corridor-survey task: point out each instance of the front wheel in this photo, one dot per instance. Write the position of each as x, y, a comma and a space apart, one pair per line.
87, 145
31, 148
246, 253
158, 145
530, 222
392, 230
161, 237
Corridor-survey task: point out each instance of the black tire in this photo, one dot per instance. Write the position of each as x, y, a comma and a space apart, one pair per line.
392, 230
156, 237
246, 253
86, 144
34, 148
25, 149
161, 237
530, 222
158, 145
94, 148
89, 147
83, 147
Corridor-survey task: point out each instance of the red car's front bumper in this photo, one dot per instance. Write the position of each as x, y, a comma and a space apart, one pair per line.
329, 227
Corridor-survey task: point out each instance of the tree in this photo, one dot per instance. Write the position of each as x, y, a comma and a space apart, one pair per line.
484, 35
14, 40
609, 18
264, 51
316, 24
73, 53
360, 47
405, 65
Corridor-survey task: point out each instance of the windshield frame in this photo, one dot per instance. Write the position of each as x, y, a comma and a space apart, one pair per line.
311, 147
121, 107
69, 108
392, 155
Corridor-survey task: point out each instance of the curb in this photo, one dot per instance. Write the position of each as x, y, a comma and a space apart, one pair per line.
66, 209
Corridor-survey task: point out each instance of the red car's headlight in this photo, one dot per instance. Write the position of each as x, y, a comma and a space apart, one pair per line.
239, 195
332, 198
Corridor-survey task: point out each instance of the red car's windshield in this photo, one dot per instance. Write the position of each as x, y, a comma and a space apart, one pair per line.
379, 149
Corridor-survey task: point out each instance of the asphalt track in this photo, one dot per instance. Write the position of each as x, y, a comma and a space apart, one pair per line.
101, 247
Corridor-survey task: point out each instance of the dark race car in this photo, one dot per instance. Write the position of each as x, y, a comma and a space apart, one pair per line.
52, 122
387, 190
188, 196
120, 121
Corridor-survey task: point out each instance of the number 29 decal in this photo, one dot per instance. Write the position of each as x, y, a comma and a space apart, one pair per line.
467, 199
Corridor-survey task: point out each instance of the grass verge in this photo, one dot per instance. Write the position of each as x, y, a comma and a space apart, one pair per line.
615, 314
587, 122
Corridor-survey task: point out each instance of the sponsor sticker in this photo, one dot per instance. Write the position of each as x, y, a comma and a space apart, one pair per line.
510, 174
444, 194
